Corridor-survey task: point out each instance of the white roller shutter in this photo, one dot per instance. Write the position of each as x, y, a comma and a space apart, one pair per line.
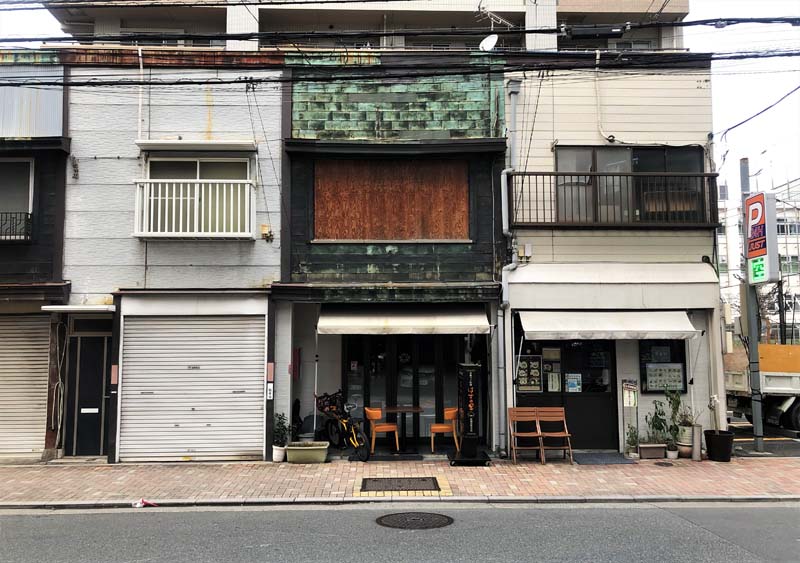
24, 365
192, 388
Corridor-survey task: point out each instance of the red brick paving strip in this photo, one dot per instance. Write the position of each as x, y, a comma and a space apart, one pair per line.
339, 479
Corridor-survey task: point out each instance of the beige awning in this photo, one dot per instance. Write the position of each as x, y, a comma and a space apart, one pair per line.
600, 325
410, 320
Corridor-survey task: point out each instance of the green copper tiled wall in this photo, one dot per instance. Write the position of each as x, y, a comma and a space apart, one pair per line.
441, 107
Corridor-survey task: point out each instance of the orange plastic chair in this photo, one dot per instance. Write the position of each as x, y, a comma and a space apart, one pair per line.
375, 414
450, 414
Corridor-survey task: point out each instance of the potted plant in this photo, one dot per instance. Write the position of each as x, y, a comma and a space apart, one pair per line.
719, 443
654, 446
672, 448
632, 442
681, 420
307, 452
280, 435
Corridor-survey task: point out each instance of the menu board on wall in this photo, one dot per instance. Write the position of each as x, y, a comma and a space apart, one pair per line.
529, 374
663, 377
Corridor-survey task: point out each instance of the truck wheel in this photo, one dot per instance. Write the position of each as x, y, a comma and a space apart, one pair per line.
793, 416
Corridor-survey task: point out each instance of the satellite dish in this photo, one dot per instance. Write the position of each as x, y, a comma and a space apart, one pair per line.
488, 43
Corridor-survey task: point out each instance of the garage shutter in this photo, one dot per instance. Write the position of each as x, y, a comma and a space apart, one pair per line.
24, 362
192, 388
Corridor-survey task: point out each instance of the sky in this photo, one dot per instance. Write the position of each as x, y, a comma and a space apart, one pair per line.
739, 88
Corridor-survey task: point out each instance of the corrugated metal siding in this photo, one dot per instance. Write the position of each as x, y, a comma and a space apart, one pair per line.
192, 388
24, 363
31, 112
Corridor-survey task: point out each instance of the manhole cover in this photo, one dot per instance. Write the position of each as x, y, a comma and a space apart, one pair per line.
663, 464
415, 520
384, 484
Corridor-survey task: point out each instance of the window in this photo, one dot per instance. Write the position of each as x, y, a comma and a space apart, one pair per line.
788, 228
662, 365
196, 197
790, 264
615, 196
391, 200
633, 45
16, 198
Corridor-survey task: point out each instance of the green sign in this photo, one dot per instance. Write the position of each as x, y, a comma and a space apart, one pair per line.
758, 270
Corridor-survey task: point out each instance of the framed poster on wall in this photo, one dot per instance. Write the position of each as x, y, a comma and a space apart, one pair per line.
662, 366
529, 374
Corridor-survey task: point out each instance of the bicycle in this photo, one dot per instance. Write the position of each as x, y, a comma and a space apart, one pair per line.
343, 429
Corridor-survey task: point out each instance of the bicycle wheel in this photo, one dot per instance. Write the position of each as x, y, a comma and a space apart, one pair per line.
362, 450
334, 431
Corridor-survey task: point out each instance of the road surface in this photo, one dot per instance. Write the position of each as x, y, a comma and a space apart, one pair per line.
623, 532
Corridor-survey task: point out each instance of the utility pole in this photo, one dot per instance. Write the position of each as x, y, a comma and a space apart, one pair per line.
753, 322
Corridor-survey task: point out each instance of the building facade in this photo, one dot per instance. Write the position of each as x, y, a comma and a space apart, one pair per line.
33, 153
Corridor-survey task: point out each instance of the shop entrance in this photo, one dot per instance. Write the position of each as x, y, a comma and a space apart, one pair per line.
88, 365
410, 370
579, 375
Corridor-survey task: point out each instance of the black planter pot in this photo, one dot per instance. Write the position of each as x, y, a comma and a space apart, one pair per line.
719, 444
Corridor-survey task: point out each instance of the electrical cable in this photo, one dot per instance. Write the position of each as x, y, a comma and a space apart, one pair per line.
760, 112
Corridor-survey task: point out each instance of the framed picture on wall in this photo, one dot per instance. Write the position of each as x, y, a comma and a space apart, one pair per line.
662, 366
529, 374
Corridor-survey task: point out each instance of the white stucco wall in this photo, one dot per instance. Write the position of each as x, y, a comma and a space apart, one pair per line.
698, 368
100, 252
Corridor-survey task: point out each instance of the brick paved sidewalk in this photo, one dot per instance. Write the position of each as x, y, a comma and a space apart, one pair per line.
267, 482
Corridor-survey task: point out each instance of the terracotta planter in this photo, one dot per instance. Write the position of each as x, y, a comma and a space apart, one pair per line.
684, 451
307, 452
652, 451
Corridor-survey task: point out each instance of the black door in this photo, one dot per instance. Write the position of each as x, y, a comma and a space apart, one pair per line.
89, 362
579, 375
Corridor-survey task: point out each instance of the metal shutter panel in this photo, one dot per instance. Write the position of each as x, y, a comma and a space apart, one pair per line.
192, 388
24, 374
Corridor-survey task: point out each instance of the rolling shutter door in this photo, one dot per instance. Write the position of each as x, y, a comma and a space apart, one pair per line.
192, 388
24, 366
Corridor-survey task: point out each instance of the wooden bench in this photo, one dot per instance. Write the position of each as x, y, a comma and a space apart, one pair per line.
537, 415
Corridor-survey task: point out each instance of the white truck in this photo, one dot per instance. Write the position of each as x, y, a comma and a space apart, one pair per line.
779, 365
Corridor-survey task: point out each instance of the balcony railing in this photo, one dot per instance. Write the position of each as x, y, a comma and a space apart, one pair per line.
572, 199
15, 226
210, 209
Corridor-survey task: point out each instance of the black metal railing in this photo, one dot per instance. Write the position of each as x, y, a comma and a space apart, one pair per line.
15, 226
616, 200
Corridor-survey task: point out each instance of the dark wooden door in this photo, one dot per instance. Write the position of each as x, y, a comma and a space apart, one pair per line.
89, 362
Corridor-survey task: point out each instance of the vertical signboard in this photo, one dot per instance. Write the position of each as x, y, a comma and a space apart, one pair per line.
761, 239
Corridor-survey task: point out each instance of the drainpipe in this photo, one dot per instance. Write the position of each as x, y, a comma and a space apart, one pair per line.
513, 86
141, 86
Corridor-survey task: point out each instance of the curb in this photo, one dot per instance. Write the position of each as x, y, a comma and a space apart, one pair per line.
321, 501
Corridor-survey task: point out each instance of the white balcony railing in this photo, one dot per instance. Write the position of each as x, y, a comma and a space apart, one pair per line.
211, 209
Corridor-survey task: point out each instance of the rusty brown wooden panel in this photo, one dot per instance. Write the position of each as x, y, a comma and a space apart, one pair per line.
391, 199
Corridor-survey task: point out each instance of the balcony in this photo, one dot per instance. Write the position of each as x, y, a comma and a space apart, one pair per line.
630, 200
194, 209
16, 226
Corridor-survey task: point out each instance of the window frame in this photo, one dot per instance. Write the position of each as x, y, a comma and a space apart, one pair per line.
683, 360
31, 173
198, 160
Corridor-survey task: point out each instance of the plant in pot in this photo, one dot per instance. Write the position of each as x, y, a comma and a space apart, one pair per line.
632, 442
654, 445
719, 443
280, 436
681, 420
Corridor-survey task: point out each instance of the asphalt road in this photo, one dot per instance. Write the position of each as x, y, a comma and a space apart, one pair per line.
629, 532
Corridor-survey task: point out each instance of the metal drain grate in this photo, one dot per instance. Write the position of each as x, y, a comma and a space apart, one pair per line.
415, 520
664, 464
388, 484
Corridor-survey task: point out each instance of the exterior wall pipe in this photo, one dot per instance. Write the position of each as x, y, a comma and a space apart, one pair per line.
513, 93
141, 82
504, 200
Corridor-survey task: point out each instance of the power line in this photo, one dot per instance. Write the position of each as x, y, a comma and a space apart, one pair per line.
766, 109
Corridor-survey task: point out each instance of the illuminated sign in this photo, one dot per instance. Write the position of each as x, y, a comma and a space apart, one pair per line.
761, 239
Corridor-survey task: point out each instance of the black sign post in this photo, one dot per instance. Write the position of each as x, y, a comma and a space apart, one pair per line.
468, 405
